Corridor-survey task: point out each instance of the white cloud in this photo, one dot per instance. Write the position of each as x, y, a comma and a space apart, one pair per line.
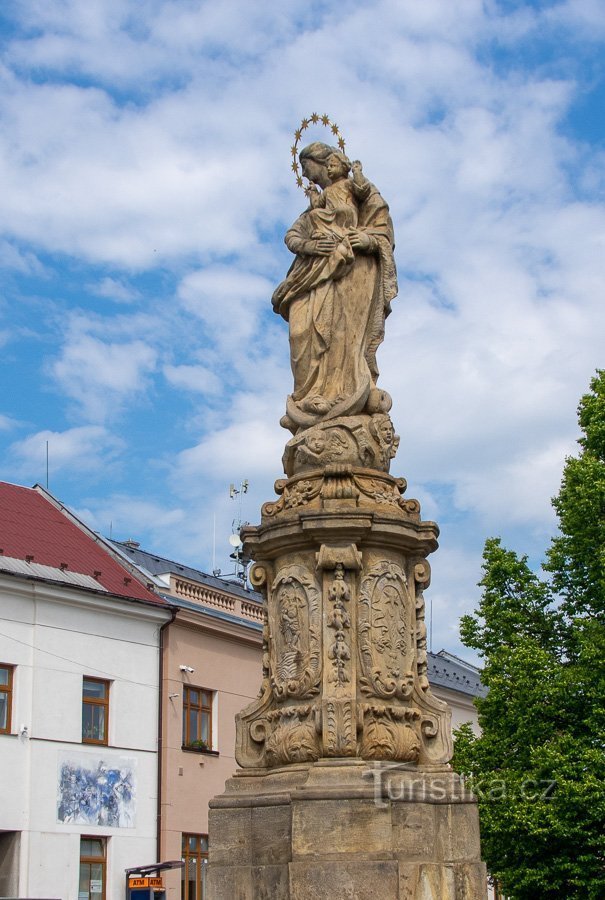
87, 448
114, 289
99, 375
193, 378
7, 423
124, 516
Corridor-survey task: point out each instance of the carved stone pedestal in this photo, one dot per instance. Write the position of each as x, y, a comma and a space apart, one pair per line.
344, 829
346, 790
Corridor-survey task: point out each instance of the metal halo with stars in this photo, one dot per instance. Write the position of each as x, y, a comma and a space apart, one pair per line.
313, 119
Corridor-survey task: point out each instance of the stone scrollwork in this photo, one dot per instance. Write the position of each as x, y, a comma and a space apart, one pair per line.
381, 492
295, 633
385, 632
293, 495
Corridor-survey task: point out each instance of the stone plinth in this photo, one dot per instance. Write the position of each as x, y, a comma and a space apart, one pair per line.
345, 789
345, 829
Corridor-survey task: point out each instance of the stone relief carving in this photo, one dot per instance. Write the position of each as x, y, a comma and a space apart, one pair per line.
385, 632
422, 577
389, 734
339, 652
295, 633
293, 737
366, 488
339, 728
383, 432
363, 440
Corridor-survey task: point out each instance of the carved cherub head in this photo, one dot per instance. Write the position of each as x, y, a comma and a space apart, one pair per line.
382, 429
317, 442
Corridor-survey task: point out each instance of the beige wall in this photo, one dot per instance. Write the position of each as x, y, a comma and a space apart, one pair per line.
226, 659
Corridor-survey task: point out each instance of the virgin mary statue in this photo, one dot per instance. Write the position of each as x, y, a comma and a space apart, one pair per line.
337, 292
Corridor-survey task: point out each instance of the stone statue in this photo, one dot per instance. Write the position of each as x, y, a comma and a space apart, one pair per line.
337, 293
341, 559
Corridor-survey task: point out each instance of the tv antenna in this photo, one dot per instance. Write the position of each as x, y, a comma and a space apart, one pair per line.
236, 526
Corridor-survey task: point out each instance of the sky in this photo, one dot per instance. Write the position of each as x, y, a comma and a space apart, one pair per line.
145, 188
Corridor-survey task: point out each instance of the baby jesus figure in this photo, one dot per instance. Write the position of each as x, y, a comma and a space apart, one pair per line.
335, 210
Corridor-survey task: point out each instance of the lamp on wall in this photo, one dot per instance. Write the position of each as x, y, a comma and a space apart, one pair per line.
187, 669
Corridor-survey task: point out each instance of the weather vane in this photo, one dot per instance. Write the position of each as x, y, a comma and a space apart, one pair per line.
313, 119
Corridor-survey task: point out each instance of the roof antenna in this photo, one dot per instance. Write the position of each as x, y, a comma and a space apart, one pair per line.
236, 527
216, 572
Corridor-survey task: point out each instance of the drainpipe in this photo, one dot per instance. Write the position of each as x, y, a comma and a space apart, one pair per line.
173, 612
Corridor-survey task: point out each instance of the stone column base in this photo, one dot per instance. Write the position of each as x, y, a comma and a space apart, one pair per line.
345, 829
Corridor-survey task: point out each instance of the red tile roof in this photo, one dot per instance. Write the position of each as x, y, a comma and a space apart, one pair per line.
32, 526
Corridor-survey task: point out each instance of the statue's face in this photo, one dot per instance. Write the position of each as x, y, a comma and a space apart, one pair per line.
386, 430
315, 171
317, 443
335, 168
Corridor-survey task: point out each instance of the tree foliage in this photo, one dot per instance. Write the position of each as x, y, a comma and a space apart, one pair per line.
538, 767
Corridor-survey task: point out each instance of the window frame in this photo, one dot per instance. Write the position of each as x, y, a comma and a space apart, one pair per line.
199, 855
8, 690
202, 708
94, 701
94, 860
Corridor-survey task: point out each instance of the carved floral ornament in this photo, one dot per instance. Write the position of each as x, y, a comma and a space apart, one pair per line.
294, 737
387, 734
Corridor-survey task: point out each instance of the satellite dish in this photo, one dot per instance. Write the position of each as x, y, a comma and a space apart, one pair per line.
235, 540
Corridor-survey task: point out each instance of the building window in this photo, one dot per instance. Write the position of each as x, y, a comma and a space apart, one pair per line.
197, 718
193, 873
95, 710
6, 698
93, 868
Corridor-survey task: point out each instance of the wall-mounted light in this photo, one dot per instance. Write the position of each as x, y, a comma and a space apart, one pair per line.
187, 669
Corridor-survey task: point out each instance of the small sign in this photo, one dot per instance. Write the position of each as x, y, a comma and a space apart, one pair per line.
96, 886
156, 882
138, 882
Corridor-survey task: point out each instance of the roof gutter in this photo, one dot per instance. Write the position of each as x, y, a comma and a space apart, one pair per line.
163, 628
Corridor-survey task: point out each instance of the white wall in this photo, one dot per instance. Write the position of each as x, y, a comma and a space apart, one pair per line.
54, 636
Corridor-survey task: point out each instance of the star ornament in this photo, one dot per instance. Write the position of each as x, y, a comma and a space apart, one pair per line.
313, 119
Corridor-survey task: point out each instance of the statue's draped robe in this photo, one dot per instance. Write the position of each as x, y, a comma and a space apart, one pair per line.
336, 309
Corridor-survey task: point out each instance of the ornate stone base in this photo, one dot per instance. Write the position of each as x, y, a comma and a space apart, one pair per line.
345, 829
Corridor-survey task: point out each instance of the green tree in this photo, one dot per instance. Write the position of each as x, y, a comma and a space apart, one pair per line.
538, 767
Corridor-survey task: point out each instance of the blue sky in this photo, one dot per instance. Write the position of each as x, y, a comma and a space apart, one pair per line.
144, 191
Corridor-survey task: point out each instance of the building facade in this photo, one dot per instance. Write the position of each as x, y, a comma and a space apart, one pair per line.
211, 669
79, 664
